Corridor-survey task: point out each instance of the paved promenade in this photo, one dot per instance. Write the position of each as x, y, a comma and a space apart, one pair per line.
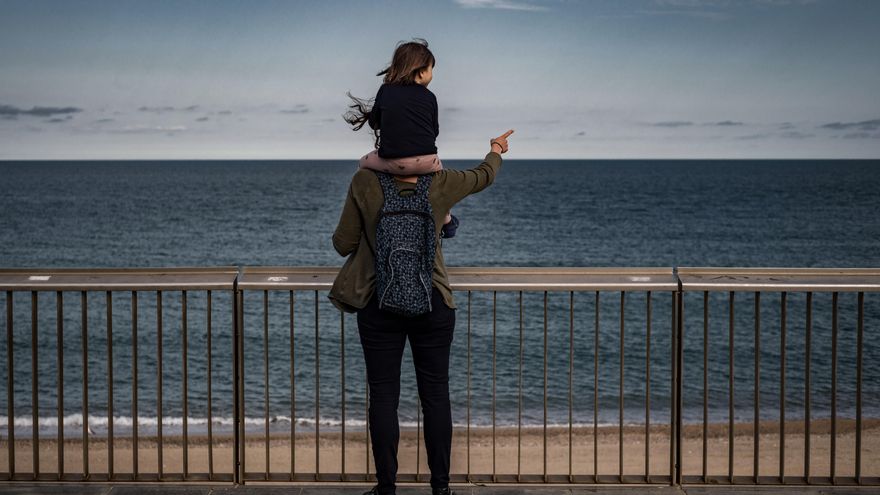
348, 489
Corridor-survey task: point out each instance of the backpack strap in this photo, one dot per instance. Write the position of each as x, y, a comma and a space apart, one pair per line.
388, 188
423, 183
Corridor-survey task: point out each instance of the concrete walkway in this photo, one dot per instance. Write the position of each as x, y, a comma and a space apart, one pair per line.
350, 489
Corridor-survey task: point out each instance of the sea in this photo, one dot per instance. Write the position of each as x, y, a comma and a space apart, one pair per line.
554, 366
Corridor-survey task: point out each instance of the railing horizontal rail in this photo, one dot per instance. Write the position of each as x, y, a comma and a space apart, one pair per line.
96, 279
777, 279
482, 278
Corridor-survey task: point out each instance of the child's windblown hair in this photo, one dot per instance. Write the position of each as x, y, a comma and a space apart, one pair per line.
409, 59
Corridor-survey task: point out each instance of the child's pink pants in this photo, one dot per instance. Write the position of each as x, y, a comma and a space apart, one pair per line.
407, 165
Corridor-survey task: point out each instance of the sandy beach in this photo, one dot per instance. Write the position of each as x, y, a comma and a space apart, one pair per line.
478, 454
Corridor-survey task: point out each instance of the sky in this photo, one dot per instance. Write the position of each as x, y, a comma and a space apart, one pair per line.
583, 79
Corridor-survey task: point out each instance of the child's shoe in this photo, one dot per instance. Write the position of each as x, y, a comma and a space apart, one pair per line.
449, 228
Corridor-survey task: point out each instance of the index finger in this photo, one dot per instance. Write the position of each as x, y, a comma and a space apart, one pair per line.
508, 133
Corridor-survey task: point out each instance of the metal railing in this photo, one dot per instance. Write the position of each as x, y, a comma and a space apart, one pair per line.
787, 283
138, 284
616, 378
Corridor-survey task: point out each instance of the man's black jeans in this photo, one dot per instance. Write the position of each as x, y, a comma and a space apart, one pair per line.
383, 336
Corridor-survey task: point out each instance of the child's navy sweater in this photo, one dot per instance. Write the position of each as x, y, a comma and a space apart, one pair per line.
406, 116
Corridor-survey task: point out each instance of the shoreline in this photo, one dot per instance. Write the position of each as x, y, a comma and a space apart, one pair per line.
506, 455
715, 430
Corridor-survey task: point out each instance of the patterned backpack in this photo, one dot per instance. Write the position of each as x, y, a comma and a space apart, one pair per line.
405, 248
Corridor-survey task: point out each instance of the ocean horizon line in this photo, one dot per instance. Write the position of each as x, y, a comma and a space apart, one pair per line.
658, 159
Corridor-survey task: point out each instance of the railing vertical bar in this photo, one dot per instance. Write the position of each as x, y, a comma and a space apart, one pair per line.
418, 433
570, 378
367, 424
705, 384
35, 409
184, 380
756, 456
648, 386
782, 301
134, 384
10, 388
545, 386
620, 399
596, 394
210, 367
266, 375
520, 394
110, 384
291, 300
317, 393
808, 331
678, 394
468, 401
673, 450
242, 451
342, 379
859, 341
59, 318
85, 394
494, 332
238, 433
731, 302
159, 380
833, 452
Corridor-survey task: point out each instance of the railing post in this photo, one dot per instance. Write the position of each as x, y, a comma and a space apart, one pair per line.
677, 332
236, 383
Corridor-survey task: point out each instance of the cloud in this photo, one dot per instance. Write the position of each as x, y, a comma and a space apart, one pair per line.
784, 135
164, 109
796, 135
141, 129
101, 121
692, 3
860, 135
500, 4
786, 125
299, 108
56, 120
783, 3
714, 9
865, 125
729, 3
725, 123
763, 135
673, 123
202, 119
582, 133
9, 110
705, 14
224, 112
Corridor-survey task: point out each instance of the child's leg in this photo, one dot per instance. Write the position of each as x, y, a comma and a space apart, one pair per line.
373, 161
409, 165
